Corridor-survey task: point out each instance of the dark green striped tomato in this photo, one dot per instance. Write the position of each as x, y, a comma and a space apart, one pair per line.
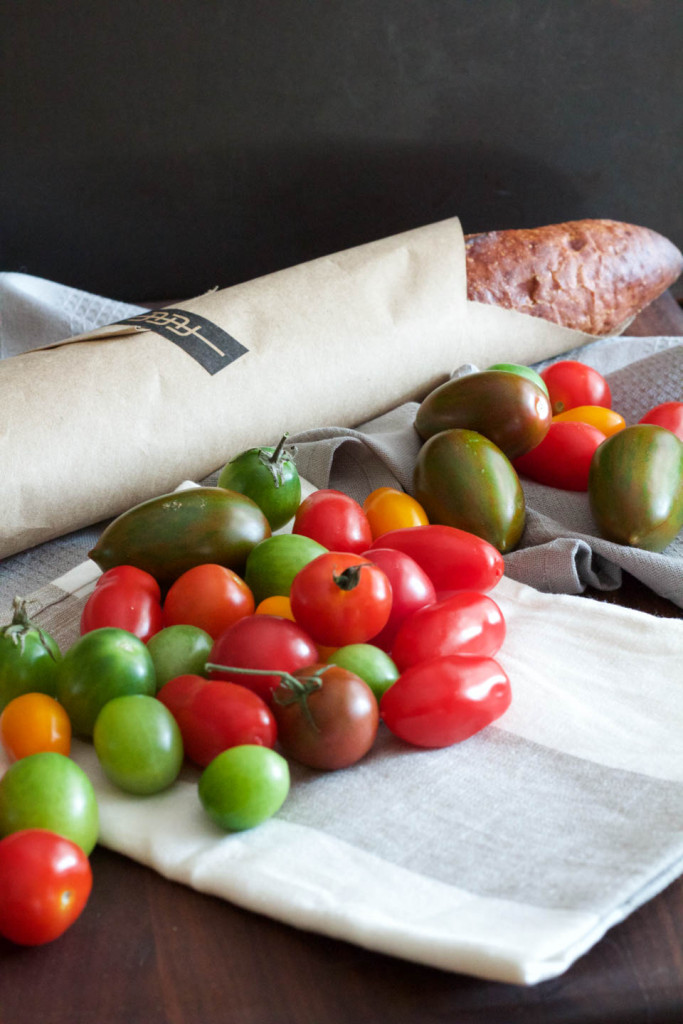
507, 408
635, 487
462, 479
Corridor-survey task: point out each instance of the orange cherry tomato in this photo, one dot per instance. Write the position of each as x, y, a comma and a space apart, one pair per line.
33, 723
387, 508
277, 604
606, 420
209, 596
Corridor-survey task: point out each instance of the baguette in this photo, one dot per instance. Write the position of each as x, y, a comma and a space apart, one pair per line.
594, 276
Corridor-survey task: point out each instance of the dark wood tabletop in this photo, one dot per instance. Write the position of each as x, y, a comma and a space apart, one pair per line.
150, 951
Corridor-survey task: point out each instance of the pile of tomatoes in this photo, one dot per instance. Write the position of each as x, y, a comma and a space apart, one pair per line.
357, 618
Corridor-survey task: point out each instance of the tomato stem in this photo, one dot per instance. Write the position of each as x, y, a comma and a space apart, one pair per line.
21, 626
274, 460
299, 687
349, 578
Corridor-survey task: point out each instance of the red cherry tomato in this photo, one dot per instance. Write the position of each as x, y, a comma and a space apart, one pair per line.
411, 588
669, 415
445, 700
335, 520
466, 623
213, 715
127, 598
571, 383
341, 598
208, 596
46, 883
453, 559
563, 457
327, 717
261, 642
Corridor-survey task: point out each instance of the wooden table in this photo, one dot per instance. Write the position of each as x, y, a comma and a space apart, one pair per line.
149, 951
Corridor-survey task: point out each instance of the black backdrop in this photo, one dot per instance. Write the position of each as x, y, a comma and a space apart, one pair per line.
155, 149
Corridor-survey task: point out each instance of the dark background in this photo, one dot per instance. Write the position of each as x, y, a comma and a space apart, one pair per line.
152, 150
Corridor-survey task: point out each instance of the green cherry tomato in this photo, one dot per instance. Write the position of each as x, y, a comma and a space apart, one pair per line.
244, 786
372, 664
29, 658
522, 371
179, 651
49, 790
138, 744
273, 564
103, 664
269, 477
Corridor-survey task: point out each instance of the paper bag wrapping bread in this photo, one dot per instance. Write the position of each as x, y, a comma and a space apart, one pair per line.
96, 424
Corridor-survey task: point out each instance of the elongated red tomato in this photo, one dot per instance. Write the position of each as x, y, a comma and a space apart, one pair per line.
563, 457
341, 598
445, 700
453, 559
411, 588
46, 883
669, 415
213, 716
469, 622
127, 598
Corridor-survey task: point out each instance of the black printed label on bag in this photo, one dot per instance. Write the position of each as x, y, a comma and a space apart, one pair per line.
205, 341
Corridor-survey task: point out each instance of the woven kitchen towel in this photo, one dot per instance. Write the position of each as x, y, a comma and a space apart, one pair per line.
504, 857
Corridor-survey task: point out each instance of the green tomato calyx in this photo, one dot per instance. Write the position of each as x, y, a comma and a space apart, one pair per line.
350, 577
274, 458
292, 689
20, 626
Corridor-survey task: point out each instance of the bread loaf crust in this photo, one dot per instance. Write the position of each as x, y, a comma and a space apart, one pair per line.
594, 276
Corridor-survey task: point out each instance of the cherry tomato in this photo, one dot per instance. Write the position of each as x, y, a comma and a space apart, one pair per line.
29, 657
669, 415
261, 642
453, 559
269, 477
244, 786
446, 700
571, 383
466, 623
341, 598
46, 883
33, 722
390, 509
522, 371
178, 650
105, 663
333, 519
210, 597
278, 604
371, 663
606, 420
327, 717
127, 598
49, 790
563, 457
273, 564
138, 744
214, 715
411, 588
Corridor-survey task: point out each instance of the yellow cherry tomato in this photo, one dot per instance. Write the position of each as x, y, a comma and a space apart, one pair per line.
33, 723
278, 604
387, 508
606, 420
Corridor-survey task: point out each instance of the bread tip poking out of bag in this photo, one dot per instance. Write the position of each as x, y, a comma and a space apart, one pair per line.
593, 276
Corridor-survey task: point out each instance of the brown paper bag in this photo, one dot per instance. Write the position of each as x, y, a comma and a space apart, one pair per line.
98, 423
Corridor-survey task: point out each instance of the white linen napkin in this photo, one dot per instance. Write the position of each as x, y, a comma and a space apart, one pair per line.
504, 857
